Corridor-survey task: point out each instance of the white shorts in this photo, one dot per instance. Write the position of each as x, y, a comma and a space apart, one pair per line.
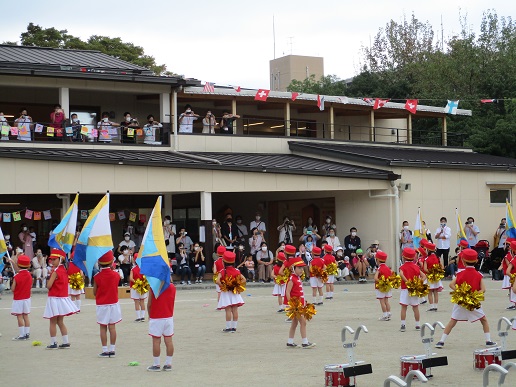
316, 282
40, 273
405, 299
279, 290
436, 286
380, 295
109, 314
161, 327
331, 279
462, 314
137, 296
75, 292
506, 283
21, 307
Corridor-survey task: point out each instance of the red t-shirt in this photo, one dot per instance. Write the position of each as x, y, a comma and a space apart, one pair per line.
23, 285
229, 271
72, 269
384, 270
163, 306
297, 289
276, 270
505, 263
219, 265
410, 270
329, 258
470, 276
136, 275
431, 260
60, 286
318, 262
107, 286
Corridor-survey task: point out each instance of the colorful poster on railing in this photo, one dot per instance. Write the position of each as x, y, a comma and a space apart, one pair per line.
50, 131
14, 131
84, 130
69, 131
28, 214
6, 218
38, 128
37, 215
104, 136
5, 130
121, 215
16, 216
112, 217
47, 215
132, 216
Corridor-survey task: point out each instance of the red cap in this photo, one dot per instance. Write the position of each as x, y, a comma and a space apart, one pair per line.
281, 257
381, 256
229, 257
469, 255
107, 258
513, 245
221, 250
298, 261
290, 250
464, 243
316, 251
408, 253
57, 253
23, 261
430, 246
328, 249
423, 243
422, 251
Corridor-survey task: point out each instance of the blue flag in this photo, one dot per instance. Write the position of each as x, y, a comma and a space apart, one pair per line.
451, 107
511, 230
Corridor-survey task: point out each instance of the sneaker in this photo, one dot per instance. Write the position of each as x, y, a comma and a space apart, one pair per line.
388, 318
327, 298
167, 367
200, 281
287, 320
422, 302
383, 318
64, 346
189, 282
293, 345
418, 328
137, 320
104, 355
180, 283
490, 343
309, 345
154, 368
52, 346
196, 281
112, 354
440, 344
19, 338
142, 320
233, 330
227, 330
430, 309
402, 328
281, 310
319, 303
27, 336
512, 307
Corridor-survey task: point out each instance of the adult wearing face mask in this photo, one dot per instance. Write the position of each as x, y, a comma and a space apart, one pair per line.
76, 126
352, 243
242, 230
199, 262
24, 120
259, 224
285, 230
333, 240
127, 242
106, 130
471, 231
8, 244
265, 260
499, 238
406, 236
442, 239
129, 126
184, 239
149, 130
26, 240
229, 232
328, 225
255, 241
125, 260
186, 120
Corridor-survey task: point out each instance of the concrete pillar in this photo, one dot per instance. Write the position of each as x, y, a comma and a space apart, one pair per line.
444, 132
64, 100
234, 111
371, 126
409, 128
287, 119
206, 217
65, 202
167, 204
164, 108
332, 123
174, 140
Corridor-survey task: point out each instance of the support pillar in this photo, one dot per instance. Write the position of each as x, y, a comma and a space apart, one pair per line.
167, 204
444, 136
371, 126
164, 108
64, 100
173, 119
65, 202
234, 111
206, 218
287, 119
332, 123
409, 128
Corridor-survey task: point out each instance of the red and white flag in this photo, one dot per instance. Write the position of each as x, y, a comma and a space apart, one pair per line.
368, 100
237, 89
261, 95
411, 105
487, 100
320, 102
379, 103
294, 95
209, 88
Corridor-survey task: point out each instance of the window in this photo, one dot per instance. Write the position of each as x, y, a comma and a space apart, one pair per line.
499, 196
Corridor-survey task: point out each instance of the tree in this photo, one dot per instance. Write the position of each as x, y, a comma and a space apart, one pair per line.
328, 85
51, 37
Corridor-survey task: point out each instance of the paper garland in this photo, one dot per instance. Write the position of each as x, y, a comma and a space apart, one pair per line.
16, 216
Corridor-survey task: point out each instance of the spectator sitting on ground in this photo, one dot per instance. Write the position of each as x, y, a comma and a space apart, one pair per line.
360, 264
149, 130
199, 261
183, 260
265, 263
184, 239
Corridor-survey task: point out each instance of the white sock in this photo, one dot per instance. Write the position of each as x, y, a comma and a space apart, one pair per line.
228, 324
104, 349
112, 347
78, 303
142, 313
21, 331
305, 340
418, 324
27, 330
315, 300
234, 324
156, 361
443, 337
403, 322
53, 340
45, 283
290, 340
137, 314
488, 336
65, 339
168, 360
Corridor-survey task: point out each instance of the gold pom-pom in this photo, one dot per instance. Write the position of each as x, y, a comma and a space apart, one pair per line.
383, 284
467, 298
416, 287
395, 281
295, 309
281, 279
141, 285
232, 284
310, 311
76, 281
332, 269
512, 277
317, 271
435, 273
215, 276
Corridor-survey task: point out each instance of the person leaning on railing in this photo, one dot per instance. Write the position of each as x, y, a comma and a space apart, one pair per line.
127, 124
149, 130
103, 125
23, 119
226, 123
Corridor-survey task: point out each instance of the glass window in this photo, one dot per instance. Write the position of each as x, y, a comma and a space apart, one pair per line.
499, 196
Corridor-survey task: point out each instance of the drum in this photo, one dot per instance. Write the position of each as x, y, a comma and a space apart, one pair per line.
334, 376
483, 357
409, 363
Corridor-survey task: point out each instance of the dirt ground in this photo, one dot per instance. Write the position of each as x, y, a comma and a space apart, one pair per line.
256, 354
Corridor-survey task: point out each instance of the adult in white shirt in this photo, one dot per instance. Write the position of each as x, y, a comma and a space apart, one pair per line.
442, 241
471, 231
333, 240
127, 242
40, 269
255, 241
169, 231
149, 130
23, 123
186, 120
285, 231
258, 224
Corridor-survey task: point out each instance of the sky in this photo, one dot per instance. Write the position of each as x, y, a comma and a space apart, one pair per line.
230, 42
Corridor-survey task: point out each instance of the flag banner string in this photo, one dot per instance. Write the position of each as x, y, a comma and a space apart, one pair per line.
37, 215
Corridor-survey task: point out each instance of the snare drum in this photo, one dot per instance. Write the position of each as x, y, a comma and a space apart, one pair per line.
483, 357
409, 363
334, 376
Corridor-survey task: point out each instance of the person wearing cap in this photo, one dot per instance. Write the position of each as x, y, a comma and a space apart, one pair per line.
294, 289
22, 288
442, 241
383, 272
317, 266
58, 304
229, 300
125, 263
139, 299
421, 255
463, 244
511, 270
105, 290
435, 287
127, 242
408, 271
329, 261
279, 281
290, 256
75, 294
360, 265
474, 279
218, 265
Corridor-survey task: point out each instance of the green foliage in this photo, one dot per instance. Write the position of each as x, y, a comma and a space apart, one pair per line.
51, 37
329, 85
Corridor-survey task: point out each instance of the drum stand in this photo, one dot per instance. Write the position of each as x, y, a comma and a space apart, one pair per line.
407, 382
495, 355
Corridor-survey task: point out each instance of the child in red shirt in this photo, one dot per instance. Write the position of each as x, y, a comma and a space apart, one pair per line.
279, 283
139, 299
383, 272
218, 265
161, 323
229, 300
105, 290
316, 283
435, 287
329, 262
408, 271
21, 288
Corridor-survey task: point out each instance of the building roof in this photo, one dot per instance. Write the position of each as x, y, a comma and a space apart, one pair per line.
245, 162
397, 155
287, 95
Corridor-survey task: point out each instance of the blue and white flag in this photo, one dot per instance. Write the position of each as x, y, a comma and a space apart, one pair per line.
451, 106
